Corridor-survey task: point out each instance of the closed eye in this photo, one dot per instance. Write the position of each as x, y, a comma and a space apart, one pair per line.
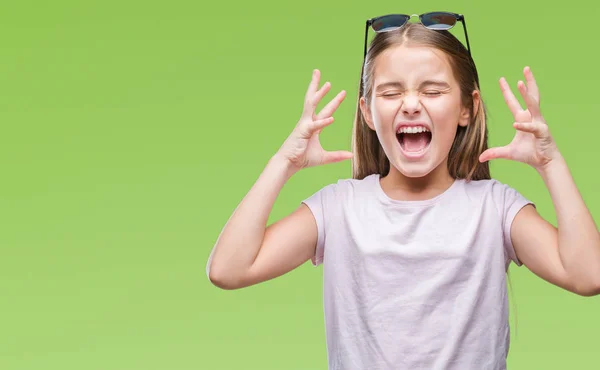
427, 93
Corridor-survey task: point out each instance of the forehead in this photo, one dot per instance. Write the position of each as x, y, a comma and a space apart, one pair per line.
412, 64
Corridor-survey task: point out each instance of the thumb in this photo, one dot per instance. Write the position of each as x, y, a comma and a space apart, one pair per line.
336, 156
501, 152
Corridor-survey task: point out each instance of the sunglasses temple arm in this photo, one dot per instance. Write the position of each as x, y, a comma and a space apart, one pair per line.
366, 33
466, 35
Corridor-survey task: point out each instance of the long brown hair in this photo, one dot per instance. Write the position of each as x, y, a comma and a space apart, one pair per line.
470, 141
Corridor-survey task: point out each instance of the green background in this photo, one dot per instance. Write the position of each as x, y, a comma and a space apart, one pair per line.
130, 130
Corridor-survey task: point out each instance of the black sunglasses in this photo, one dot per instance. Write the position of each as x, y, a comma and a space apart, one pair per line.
432, 20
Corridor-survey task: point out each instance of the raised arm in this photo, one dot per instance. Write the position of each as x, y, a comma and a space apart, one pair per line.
568, 255
248, 252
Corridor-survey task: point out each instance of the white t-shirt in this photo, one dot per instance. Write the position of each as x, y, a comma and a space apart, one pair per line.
415, 284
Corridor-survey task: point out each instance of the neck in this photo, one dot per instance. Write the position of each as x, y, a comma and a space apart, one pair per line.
400, 187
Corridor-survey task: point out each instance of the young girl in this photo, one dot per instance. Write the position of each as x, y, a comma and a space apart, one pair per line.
416, 245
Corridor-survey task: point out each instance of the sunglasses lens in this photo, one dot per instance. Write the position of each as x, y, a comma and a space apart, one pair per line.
438, 21
389, 22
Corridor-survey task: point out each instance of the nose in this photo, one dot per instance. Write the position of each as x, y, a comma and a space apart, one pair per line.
411, 105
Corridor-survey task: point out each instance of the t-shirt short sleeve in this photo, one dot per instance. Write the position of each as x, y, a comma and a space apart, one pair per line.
320, 204
510, 202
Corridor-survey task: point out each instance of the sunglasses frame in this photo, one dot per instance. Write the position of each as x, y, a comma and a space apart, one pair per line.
458, 17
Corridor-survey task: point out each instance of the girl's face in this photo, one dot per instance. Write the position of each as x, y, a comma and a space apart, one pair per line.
415, 108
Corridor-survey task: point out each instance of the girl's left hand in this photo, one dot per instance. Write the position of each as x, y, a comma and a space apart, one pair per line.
532, 143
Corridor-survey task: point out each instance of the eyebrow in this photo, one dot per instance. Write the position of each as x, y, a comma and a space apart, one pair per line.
399, 85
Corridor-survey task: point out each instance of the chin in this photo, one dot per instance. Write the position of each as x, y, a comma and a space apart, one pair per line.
413, 169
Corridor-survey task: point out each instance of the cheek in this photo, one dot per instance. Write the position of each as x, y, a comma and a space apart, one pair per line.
443, 112
385, 111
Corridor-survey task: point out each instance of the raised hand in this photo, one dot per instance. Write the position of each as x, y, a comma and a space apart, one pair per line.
532, 143
302, 148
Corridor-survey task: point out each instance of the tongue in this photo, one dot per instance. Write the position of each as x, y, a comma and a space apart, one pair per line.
414, 142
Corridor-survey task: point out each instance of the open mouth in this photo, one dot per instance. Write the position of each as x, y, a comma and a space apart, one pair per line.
414, 139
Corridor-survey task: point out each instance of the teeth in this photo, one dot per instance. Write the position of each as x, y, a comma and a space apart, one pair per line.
412, 130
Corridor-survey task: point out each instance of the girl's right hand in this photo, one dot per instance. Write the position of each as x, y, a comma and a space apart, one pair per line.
302, 148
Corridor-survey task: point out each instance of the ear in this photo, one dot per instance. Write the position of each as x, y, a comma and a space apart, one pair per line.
366, 112
465, 115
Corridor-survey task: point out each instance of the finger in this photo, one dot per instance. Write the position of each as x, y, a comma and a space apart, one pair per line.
531, 84
509, 98
308, 128
310, 93
332, 106
318, 125
539, 130
336, 156
314, 83
318, 96
502, 152
533, 104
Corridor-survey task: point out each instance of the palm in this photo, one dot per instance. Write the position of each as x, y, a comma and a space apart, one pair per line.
524, 145
532, 143
314, 150
306, 151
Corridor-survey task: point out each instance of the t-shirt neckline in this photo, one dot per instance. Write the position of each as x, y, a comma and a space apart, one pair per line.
410, 203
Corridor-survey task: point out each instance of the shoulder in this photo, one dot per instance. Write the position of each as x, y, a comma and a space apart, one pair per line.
506, 199
487, 185
490, 187
343, 191
348, 186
